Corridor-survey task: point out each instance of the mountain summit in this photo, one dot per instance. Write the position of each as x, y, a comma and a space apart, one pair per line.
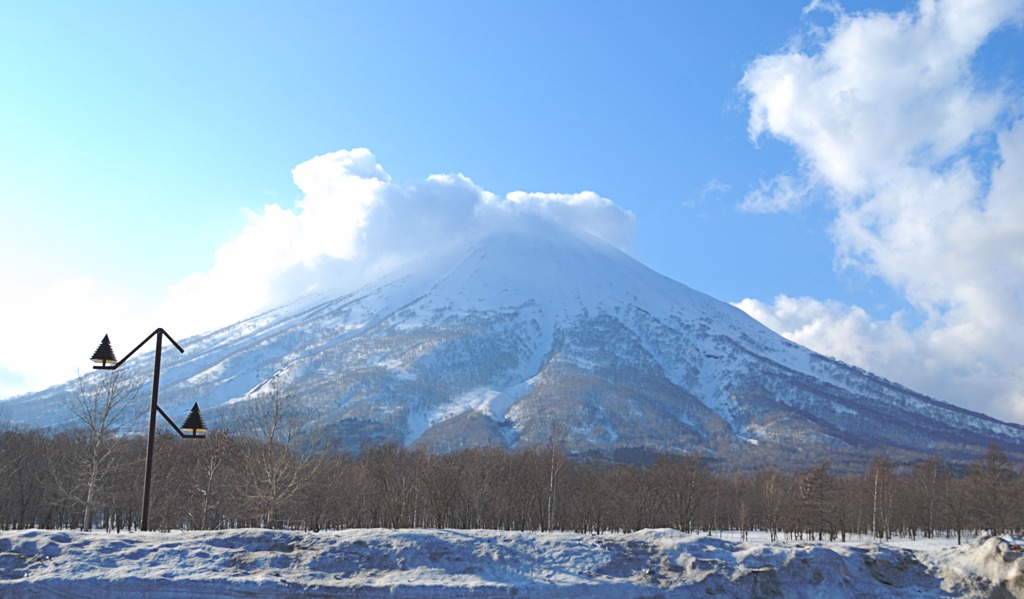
517, 336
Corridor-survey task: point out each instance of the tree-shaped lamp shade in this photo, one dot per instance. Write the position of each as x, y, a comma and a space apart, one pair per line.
104, 354
194, 423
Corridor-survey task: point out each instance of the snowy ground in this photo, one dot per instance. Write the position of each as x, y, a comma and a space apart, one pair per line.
482, 563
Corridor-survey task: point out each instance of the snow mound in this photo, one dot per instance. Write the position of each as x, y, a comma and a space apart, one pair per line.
989, 567
481, 563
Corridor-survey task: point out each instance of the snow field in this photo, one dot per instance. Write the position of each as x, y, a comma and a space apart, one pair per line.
484, 563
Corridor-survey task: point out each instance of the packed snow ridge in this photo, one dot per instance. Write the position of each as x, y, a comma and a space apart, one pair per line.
481, 563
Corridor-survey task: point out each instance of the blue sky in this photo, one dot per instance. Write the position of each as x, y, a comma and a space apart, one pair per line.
774, 155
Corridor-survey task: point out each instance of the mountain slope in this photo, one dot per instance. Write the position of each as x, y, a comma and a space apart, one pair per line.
521, 335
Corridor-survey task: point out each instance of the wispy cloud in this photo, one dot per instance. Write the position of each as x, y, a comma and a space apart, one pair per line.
782, 193
924, 164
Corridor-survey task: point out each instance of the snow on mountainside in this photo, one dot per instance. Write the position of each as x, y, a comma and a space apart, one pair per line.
515, 335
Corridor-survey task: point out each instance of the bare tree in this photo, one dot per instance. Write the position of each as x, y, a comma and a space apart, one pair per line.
640, 496
994, 496
203, 487
927, 479
556, 461
684, 485
194, 480
104, 405
7, 451
481, 486
956, 500
333, 502
439, 483
525, 499
387, 479
882, 481
818, 499
772, 498
279, 459
586, 500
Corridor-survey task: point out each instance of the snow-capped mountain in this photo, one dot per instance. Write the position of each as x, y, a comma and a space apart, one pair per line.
515, 336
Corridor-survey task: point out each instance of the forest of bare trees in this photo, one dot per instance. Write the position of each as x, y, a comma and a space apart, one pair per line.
265, 473
69, 479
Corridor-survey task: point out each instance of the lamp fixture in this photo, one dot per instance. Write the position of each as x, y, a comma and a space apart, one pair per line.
194, 422
103, 354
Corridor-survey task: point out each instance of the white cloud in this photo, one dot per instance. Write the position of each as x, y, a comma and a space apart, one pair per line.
945, 359
339, 191
883, 89
783, 193
584, 212
888, 116
353, 222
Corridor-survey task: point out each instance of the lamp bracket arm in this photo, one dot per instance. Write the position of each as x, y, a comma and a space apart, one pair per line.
171, 339
175, 426
159, 331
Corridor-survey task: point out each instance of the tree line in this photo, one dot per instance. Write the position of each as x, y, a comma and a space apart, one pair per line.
266, 473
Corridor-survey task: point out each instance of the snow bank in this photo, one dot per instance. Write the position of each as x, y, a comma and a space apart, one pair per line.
479, 563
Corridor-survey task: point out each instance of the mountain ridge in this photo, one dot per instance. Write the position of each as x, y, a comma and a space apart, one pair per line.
494, 340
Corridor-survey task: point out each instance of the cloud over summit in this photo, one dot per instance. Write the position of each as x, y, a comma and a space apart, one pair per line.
353, 222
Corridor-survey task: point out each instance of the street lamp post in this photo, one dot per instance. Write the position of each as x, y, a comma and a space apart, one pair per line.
104, 357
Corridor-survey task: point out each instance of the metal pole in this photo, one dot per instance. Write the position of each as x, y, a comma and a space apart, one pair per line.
152, 431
